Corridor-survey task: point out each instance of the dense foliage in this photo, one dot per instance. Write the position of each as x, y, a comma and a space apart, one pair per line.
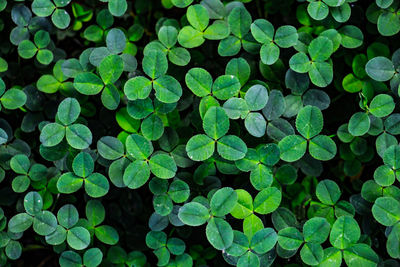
199, 133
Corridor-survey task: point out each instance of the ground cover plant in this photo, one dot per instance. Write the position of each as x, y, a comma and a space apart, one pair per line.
199, 133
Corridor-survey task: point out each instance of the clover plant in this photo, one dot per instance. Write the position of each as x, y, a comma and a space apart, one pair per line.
185, 133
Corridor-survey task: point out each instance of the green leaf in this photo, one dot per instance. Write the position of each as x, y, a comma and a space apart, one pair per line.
20, 223
286, 36
179, 191
48, 84
200, 147
345, 232
332, 257
168, 89
219, 30
219, 233
231, 147
264, 240
320, 49
251, 225
269, 53
111, 68
138, 147
267, 200
359, 124
240, 68
44, 223
248, 259
255, 124
20, 164
256, 97
88, 83
216, 122
189, 37
68, 111
13, 99
199, 81
57, 237
261, 177
61, 18
83, 164
388, 24
239, 20
78, 238
106, 234
300, 63
69, 183
152, 127
67, 216
328, 192
225, 87
352, 37
78, 136
13, 250
381, 105
292, 147
223, 201
136, 174
70, 259
137, 88
168, 36
116, 40
96, 185
117, 7
95, 212
92, 257
386, 210
321, 73
42, 8
236, 108
110, 148
318, 10
311, 254
322, 147
360, 255
316, 230
155, 64
262, 30
243, 206
27, 49
162, 166
197, 16
391, 157
52, 134
309, 121
33, 203
290, 238
380, 69
193, 214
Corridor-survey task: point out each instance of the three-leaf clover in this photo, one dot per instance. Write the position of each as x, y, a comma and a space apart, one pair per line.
145, 161
316, 65
21, 165
28, 49
309, 123
155, 65
96, 184
199, 29
167, 39
77, 135
59, 16
68, 229
263, 31
216, 125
